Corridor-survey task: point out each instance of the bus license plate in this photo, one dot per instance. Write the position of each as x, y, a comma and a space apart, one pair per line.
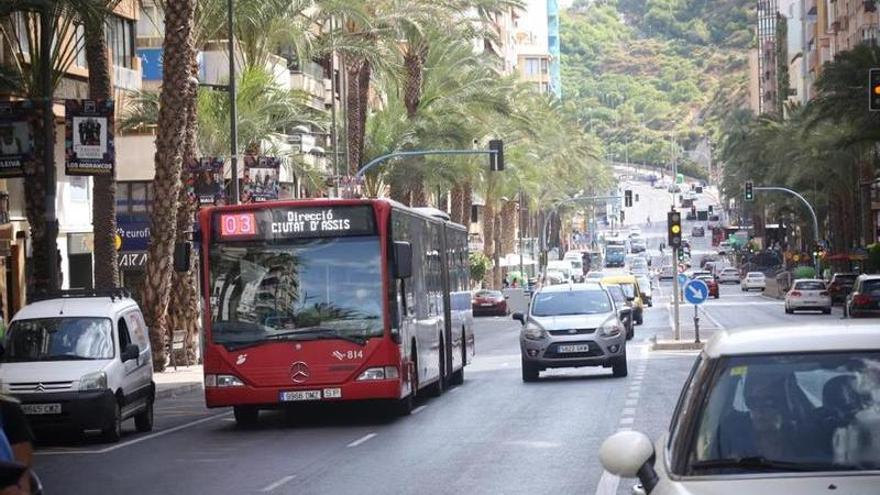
574, 348
41, 408
300, 395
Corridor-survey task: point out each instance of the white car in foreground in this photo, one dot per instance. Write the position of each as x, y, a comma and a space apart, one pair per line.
766, 412
753, 280
808, 294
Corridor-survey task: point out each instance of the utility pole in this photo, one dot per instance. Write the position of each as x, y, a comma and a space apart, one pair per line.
233, 117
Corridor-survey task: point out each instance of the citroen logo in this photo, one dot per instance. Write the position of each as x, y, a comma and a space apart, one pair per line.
40, 388
299, 372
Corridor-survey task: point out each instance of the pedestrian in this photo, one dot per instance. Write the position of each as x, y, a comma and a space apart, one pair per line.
16, 448
506, 282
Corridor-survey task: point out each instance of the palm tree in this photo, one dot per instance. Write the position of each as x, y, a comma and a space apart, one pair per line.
177, 93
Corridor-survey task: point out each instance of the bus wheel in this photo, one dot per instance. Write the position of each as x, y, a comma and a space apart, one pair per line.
404, 406
458, 376
245, 416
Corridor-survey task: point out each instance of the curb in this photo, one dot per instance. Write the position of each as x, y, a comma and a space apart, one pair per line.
676, 345
173, 391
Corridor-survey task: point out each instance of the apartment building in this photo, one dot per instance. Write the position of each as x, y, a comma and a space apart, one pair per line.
74, 193
531, 38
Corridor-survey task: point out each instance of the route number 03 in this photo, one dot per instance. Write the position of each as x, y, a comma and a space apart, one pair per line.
238, 224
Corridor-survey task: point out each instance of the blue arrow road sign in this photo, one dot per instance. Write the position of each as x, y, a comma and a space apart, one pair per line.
682, 279
696, 292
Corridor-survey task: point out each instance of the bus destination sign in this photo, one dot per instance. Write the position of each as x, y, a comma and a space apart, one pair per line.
289, 223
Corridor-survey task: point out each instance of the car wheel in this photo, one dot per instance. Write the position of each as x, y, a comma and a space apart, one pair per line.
113, 431
143, 422
619, 368
246, 416
717, 296
826, 311
788, 310
630, 333
530, 371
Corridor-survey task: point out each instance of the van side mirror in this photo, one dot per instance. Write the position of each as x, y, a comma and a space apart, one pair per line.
519, 317
131, 351
182, 256
402, 259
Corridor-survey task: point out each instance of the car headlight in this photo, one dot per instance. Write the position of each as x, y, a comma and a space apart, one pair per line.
611, 328
93, 381
534, 332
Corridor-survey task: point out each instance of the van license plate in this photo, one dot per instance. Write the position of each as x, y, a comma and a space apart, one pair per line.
300, 395
574, 348
41, 408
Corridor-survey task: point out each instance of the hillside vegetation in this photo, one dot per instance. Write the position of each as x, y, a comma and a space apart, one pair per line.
653, 77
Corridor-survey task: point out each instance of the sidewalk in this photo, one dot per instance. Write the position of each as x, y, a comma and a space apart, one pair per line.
664, 339
171, 383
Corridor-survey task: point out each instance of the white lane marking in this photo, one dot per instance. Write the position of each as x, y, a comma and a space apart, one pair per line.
631, 402
456, 389
713, 320
636, 389
138, 440
269, 488
361, 440
608, 484
633, 395
627, 421
628, 411
418, 409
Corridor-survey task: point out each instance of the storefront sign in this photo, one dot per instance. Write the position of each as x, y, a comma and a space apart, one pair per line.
132, 260
16, 137
260, 181
204, 181
133, 234
89, 148
284, 223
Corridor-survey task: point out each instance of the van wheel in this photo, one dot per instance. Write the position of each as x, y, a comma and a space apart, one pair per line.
143, 422
113, 431
458, 376
530, 371
245, 416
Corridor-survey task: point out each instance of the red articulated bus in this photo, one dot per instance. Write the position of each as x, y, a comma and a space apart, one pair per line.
332, 300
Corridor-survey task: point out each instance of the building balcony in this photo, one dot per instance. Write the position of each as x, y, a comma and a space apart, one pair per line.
125, 78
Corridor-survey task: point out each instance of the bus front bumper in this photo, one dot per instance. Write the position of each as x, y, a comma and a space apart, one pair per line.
299, 394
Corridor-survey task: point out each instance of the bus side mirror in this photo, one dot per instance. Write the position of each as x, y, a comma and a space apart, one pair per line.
402, 259
182, 256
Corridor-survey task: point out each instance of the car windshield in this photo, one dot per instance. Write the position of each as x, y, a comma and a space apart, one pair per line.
488, 293
264, 290
804, 412
616, 294
570, 302
59, 339
629, 289
871, 287
812, 285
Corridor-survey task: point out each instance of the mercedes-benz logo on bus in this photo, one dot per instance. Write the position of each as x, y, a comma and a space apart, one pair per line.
299, 372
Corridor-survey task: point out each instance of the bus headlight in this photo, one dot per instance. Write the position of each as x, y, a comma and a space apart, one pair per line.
379, 373
223, 381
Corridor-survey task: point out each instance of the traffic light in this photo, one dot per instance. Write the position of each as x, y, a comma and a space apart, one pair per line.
673, 224
496, 159
750, 193
874, 90
711, 209
627, 198
681, 255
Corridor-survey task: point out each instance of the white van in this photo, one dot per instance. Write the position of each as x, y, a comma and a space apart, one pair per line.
564, 266
81, 361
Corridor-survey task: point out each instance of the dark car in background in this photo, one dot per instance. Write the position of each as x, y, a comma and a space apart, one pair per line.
840, 286
489, 302
864, 300
624, 308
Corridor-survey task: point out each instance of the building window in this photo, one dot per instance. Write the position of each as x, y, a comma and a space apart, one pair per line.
120, 39
80, 35
20, 20
151, 23
79, 189
545, 66
134, 198
533, 66
475, 214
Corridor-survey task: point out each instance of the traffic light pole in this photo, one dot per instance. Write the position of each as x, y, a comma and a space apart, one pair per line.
676, 301
816, 263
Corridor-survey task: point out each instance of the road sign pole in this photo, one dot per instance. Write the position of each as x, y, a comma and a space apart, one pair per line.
676, 329
696, 325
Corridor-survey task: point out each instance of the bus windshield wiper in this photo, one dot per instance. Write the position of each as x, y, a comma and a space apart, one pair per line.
318, 333
761, 463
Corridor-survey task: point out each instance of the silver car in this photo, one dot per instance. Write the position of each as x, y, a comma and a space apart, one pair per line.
570, 326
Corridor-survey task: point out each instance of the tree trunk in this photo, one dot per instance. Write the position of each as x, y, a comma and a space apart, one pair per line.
177, 92
418, 194
497, 277
456, 206
185, 312
359, 73
104, 199
35, 207
467, 199
489, 234
508, 227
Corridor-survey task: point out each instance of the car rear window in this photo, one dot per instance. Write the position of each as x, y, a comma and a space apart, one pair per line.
845, 278
809, 286
871, 287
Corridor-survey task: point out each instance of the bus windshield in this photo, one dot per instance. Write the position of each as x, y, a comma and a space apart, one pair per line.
296, 289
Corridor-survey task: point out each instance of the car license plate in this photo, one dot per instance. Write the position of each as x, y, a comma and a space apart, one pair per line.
486, 304
41, 408
299, 395
574, 348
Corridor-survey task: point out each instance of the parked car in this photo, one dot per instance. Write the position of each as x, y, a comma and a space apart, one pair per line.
632, 289
841, 285
81, 361
808, 294
753, 280
728, 276
595, 276
792, 410
712, 284
489, 302
634, 232
665, 272
646, 288
570, 327
638, 245
698, 232
864, 300
624, 308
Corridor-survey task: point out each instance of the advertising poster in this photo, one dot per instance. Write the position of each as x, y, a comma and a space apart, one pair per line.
88, 143
204, 181
16, 137
260, 178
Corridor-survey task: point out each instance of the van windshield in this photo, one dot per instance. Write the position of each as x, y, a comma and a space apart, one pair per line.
59, 339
